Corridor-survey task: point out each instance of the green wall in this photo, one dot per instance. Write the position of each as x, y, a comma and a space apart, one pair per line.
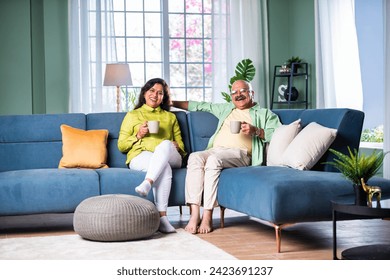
34, 51
292, 33
34, 56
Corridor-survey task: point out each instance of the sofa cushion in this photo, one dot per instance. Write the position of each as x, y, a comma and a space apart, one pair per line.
49, 190
348, 123
285, 195
124, 180
83, 148
308, 146
281, 138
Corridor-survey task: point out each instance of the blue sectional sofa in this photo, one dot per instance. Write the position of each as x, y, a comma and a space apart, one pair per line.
31, 183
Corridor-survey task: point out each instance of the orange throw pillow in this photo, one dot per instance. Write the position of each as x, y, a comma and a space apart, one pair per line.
83, 148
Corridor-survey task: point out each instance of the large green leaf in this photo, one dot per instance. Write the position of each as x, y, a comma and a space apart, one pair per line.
245, 70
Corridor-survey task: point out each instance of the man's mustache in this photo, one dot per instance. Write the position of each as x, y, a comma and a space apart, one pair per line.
240, 97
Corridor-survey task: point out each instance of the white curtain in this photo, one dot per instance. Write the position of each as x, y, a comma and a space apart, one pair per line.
240, 31
386, 126
337, 55
91, 47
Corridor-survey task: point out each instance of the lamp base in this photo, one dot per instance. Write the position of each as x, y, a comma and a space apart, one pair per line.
118, 100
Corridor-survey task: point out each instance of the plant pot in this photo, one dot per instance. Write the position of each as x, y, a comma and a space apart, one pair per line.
360, 195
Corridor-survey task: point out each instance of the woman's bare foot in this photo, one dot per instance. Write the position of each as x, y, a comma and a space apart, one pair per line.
206, 226
192, 226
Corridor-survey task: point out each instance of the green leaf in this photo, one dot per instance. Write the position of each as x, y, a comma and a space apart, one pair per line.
245, 70
226, 97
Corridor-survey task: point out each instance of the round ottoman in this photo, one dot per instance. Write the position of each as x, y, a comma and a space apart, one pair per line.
115, 218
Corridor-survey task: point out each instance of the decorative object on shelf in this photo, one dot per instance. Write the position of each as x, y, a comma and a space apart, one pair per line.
117, 74
245, 70
281, 90
284, 69
291, 96
371, 192
357, 167
287, 66
284, 93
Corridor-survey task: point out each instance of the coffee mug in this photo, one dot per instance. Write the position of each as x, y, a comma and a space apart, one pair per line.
235, 127
153, 126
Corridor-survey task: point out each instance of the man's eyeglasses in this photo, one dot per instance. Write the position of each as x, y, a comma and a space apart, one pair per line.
241, 91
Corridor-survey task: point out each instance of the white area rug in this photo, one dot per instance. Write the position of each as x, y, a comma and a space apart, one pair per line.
175, 246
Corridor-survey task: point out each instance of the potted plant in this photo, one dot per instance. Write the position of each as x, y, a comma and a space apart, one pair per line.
245, 70
356, 166
290, 61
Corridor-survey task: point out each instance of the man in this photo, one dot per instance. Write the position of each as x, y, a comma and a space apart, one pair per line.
225, 149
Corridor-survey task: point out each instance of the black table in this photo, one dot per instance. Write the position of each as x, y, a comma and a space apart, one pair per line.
344, 208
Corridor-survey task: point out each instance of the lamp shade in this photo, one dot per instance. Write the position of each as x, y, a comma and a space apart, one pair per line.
117, 74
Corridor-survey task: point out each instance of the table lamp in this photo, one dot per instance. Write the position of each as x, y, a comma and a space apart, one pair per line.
117, 74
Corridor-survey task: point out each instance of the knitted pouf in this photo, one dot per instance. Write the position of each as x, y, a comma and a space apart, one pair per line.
115, 218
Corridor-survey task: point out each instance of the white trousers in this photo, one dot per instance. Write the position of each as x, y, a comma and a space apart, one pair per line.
204, 169
158, 167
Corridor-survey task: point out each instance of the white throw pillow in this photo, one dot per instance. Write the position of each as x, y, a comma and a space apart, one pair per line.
309, 146
280, 140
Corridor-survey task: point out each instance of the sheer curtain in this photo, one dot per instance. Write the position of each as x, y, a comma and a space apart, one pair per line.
337, 55
91, 47
240, 31
386, 126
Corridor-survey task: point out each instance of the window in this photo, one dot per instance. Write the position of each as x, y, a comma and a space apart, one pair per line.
165, 38
369, 26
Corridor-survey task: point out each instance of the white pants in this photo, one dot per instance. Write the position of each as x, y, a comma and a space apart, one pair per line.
158, 167
204, 169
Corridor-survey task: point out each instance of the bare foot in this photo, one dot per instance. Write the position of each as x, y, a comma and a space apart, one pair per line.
206, 226
192, 226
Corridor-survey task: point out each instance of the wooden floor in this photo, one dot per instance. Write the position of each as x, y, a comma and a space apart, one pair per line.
243, 237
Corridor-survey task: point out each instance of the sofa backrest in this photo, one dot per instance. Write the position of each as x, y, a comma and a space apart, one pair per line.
34, 141
348, 123
202, 126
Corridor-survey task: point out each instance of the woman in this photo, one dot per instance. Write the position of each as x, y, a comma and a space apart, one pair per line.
157, 153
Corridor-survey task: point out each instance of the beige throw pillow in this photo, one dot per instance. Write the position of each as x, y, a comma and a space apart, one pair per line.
280, 140
309, 146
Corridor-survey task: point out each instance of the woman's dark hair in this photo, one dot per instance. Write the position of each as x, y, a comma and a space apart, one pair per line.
149, 84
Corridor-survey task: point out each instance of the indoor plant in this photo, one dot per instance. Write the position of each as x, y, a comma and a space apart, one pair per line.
355, 166
245, 70
293, 59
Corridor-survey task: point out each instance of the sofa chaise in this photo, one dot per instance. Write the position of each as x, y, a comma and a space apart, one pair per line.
32, 183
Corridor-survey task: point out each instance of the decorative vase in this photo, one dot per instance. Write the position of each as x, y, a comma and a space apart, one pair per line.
360, 195
294, 94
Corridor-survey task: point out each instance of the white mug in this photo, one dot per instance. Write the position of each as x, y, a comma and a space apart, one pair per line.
235, 127
153, 126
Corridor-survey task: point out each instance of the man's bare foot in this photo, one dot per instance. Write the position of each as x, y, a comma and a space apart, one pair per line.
192, 226
193, 223
206, 225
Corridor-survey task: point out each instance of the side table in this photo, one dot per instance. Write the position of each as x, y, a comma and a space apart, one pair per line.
348, 211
